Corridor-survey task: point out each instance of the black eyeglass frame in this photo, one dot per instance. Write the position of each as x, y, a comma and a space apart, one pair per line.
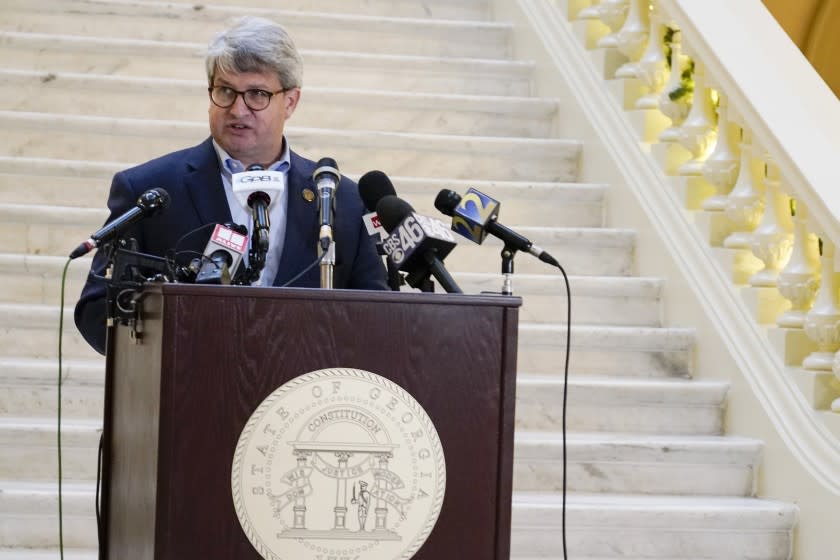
237, 93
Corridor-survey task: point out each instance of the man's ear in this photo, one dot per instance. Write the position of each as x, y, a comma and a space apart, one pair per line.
291, 99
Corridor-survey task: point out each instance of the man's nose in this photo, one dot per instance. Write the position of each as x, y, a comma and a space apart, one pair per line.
239, 107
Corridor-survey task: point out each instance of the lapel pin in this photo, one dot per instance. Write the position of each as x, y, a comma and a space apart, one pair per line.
307, 195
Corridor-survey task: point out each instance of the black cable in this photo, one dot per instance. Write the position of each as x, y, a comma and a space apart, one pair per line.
305, 270
566, 397
189, 233
58, 415
100, 529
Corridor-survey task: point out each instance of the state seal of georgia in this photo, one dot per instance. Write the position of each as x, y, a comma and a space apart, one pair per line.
338, 464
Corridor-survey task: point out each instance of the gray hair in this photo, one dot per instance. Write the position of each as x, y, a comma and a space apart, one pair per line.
255, 44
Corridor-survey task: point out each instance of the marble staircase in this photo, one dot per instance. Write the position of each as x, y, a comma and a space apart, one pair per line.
429, 93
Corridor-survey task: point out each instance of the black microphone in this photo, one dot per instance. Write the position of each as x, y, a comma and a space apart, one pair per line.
258, 202
373, 187
327, 178
476, 214
149, 203
416, 243
223, 254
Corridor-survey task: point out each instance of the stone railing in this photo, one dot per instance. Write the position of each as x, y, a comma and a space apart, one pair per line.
744, 136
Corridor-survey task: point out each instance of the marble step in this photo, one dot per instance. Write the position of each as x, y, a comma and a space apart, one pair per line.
86, 184
49, 554
630, 405
641, 404
36, 279
596, 403
438, 9
596, 300
333, 107
48, 135
29, 514
182, 60
598, 462
31, 450
630, 352
653, 527
53, 230
180, 21
90, 554
606, 525
31, 331
637, 464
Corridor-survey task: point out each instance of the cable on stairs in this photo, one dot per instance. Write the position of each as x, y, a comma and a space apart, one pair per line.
566, 398
58, 431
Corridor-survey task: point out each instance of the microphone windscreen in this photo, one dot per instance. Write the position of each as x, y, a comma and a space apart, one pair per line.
153, 200
258, 195
392, 210
446, 201
373, 186
327, 162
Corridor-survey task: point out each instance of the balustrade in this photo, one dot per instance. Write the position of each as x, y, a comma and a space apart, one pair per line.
758, 213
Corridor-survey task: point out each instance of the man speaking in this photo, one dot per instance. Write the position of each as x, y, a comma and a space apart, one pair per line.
254, 84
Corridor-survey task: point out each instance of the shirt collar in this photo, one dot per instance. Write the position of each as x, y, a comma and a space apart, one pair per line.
230, 166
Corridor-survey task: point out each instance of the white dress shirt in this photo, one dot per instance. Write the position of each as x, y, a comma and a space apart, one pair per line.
277, 210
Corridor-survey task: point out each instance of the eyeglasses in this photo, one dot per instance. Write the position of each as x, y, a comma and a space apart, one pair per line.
255, 99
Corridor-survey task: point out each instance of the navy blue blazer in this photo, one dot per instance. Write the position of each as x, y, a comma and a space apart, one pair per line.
193, 180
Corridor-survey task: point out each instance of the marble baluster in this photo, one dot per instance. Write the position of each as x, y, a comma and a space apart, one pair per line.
800, 279
698, 134
612, 13
745, 204
632, 38
675, 100
772, 240
822, 322
593, 11
835, 404
653, 67
722, 167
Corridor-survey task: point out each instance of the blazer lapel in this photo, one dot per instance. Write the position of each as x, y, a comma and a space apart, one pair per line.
203, 183
299, 247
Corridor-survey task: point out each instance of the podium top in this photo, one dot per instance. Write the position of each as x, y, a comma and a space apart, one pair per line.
481, 300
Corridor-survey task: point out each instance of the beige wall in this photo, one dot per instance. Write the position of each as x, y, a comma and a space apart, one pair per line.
813, 25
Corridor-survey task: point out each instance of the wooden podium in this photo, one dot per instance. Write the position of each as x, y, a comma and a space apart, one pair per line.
178, 396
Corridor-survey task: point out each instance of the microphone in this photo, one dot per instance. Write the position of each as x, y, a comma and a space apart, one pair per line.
326, 177
416, 243
223, 254
149, 203
475, 215
251, 188
373, 186
259, 202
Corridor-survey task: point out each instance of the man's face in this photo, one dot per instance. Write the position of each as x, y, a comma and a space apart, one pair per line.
247, 135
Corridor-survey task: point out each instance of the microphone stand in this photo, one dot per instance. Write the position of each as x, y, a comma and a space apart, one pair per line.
507, 270
327, 263
421, 278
